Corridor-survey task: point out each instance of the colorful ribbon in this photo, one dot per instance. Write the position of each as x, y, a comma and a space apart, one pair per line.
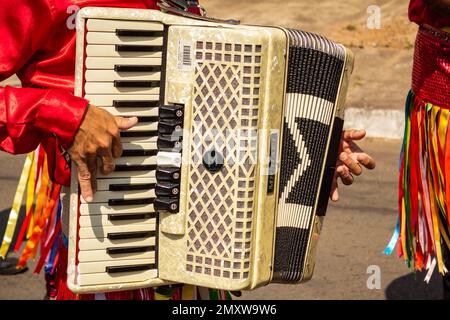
424, 187
17, 202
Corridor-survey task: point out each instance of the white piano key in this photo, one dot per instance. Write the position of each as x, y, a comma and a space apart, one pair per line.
100, 267
112, 38
103, 221
139, 146
102, 232
109, 63
132, 174
102, 255
112, 25
139, 139
107, 100
103, 243
105, 278
136, 161
105, 50
105, 209
144, 126
104, 184
133, 112
105, 196
111, 75
108, 88
169, 159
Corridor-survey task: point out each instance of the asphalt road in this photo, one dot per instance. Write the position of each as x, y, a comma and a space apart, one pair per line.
355, 233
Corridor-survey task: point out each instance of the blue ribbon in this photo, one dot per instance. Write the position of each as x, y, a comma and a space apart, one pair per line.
51, 260
391, 246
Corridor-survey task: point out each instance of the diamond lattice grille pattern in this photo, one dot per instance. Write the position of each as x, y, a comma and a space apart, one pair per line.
225, 115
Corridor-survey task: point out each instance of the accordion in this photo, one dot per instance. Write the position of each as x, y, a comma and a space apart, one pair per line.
224, 182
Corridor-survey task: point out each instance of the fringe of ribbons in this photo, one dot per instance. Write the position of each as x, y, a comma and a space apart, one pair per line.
424, 187
41, 229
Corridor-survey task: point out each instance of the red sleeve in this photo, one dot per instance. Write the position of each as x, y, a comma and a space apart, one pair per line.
28, 116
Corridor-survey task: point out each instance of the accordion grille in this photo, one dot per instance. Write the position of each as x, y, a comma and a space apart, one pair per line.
225, 118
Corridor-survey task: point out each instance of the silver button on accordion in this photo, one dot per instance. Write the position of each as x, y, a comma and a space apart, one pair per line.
224, 182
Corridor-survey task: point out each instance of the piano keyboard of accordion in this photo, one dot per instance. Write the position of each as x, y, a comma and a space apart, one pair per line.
224, 182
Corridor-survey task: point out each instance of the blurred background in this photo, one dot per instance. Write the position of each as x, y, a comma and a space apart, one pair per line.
359, 226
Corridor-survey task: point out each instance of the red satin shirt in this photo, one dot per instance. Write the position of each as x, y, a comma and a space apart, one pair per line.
420, 12
37, 42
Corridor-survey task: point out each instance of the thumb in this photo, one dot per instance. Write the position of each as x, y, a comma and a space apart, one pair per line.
126, 123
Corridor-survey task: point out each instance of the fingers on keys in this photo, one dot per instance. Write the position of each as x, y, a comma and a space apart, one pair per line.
126, 123
84, 179
108, 164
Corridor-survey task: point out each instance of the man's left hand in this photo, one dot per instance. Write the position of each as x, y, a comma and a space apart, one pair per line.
350, 161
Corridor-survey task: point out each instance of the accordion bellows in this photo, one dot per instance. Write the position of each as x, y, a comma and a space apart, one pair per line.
224, 183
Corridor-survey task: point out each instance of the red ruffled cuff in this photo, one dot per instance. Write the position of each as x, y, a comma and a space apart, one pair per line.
61, 114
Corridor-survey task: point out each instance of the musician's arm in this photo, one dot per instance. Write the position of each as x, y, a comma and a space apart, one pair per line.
440, 6
28, 115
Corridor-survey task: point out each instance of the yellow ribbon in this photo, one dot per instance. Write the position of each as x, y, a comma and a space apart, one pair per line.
160, 296
40, 204
30, 187
188, 292
14, 213
31, 193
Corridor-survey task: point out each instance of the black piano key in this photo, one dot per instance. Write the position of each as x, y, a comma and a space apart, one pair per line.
139, 153
132, 187
130, 235
130, 202
126, 217
137, 134
137, 167
139, 33
137, 68
136, 84
166, 204
169, 126
169, 143
137, 48
135, 104
171, 112
130, 250
167, 189
169, 174
138, 267
148, 119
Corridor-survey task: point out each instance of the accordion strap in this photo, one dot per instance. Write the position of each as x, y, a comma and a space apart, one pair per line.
190, 9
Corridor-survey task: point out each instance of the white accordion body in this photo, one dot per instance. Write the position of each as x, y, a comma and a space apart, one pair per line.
224, 182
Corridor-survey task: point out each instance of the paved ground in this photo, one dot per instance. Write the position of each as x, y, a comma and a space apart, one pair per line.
355, 233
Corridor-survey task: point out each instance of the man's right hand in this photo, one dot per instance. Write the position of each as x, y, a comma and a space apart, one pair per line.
97, 138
